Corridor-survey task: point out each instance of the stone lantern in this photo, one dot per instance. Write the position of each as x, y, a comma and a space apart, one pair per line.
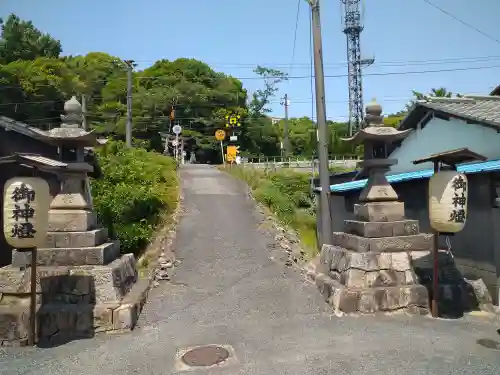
86, 285
369, 267
376, 137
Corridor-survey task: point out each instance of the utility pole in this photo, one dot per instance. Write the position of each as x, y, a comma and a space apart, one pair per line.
285, 129
128, 132
326, 233
84, 112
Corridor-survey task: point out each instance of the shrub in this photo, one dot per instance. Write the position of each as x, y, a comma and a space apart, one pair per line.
137, 189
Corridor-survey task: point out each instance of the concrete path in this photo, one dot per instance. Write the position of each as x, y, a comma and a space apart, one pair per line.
227, 291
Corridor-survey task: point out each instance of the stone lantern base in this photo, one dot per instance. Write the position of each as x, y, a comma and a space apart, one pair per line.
84, 285
369, 266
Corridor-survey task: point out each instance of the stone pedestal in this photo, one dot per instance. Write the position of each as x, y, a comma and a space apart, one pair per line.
84, 284
369, 266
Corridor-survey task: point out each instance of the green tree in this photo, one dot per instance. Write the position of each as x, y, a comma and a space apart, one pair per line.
21, 40
261, 98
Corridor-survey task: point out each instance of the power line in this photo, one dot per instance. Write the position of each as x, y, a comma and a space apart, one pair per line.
462, 22
180, 105
342, 64
375, 74
295, 35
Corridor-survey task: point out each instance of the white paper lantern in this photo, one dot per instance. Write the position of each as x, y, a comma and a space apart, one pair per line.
25, 212
448, 201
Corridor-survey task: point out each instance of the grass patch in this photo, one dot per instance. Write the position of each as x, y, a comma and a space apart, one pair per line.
287, 194
137, 193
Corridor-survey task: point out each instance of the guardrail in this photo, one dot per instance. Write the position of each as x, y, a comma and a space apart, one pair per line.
296, 163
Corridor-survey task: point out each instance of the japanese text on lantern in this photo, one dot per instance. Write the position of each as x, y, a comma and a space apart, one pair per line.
23, 213
26, 205
459, 186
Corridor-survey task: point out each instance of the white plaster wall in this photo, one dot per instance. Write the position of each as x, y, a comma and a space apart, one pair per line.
441, 135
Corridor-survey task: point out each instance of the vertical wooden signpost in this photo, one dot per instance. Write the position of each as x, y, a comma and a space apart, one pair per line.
25, 226
447, 203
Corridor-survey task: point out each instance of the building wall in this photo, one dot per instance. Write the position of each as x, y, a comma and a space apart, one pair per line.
440, 135
476, 248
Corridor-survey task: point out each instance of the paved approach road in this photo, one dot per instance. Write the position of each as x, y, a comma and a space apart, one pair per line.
228, 291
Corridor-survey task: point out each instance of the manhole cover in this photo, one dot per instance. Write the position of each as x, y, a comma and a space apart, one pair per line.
205, 356
490, 344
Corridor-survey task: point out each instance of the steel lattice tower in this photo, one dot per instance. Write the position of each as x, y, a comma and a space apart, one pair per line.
353, 27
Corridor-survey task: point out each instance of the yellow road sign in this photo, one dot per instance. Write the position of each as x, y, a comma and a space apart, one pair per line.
220, 135
232, 121
232, 152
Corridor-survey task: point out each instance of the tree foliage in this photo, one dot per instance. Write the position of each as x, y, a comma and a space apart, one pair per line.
21, 40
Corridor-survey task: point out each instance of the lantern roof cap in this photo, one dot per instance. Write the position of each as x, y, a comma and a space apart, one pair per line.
375, 129
452, 157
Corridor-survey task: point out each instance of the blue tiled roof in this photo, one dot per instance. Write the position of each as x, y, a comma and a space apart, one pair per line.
486, 166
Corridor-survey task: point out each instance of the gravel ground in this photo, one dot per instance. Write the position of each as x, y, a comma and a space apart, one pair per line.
227, 290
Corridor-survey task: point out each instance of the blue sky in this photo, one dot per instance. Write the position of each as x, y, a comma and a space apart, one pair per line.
234, 36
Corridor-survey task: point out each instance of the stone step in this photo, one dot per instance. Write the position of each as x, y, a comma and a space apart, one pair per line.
356, 278
422, 241
381, 229
59, 322
89, 238
69, 256
411, 298
75, 284
379, 211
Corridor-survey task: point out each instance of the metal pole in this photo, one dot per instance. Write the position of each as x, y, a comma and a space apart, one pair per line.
32, 318
324, 173
84, 112
285, 129
435, 265
177, 148
128, 133
222, 153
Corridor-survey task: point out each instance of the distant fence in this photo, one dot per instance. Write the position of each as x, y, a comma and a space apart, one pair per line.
344, 161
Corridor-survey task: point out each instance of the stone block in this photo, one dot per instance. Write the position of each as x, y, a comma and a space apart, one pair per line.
71, 220
381, 229
12, 279
63, 322
349, 301
359, 244
363, 261
384, 261
326, 285
326, 256
401, 262
380, 211
367, 303
113, 281
415, 295
353, 278
337, 276
421, 241
98, 255
14, 323
387, 278
125, 317
351, 242
103, 317
89, 238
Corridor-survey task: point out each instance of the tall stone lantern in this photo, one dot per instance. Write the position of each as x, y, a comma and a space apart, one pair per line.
368, 267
